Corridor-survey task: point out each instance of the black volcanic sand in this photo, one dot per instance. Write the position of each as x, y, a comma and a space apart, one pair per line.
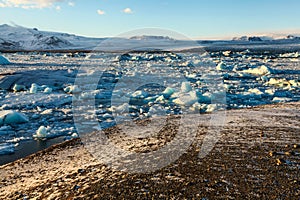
257, 157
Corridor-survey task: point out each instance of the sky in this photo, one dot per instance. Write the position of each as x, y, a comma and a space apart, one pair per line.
191, 18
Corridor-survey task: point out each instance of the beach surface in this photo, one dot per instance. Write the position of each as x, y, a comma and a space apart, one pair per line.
256, 157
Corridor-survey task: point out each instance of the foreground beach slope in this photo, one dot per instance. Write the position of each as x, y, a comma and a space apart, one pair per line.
257, 157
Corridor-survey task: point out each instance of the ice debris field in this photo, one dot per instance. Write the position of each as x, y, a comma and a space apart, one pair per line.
38, 90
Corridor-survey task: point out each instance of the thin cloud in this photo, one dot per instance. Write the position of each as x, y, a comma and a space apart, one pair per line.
58, 8
71, 3
28, 4
100, 12
127, 11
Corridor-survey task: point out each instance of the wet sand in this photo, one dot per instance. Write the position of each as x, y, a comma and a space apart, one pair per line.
256, 157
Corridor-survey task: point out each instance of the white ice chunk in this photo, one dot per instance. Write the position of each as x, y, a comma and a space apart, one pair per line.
186, 87
18, 88
186, 99
33, 88
281, 99
156, 110
261, 70
270, 91
42, 132
72, 89
139, 94
47, 112
47, 90
255, 91
168, 92
211, 108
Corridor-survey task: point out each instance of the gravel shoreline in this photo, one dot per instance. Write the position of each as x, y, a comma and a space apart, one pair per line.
257, 157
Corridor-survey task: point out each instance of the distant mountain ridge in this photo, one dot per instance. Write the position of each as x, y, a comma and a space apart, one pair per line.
265, 38
17, 38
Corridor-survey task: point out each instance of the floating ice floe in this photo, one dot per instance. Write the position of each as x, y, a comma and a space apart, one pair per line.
72, 89
42, 132
187, 99
259, 71
255, 91
12, 117
48, 90
283, 83
19, 88
4, 61
281, 99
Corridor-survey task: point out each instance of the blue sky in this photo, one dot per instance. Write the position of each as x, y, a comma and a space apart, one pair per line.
192, 18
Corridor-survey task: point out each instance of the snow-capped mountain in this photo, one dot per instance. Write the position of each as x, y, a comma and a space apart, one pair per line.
20, 38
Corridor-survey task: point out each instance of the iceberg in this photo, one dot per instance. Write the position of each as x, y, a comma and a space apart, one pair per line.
12, 117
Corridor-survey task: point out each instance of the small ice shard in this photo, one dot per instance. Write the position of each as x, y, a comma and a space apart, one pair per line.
168, 92
283, 83
186, 87
33, 88
270, 91
156, 110
41, 132
222, 67
47, 90
186, 99
281, 99
3, 60
12, 117
211, 108
259, 71
19, 88
74, 135
160, 99
139, 94
226, 53
255, 91
47, 112
72, 89
121, 109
